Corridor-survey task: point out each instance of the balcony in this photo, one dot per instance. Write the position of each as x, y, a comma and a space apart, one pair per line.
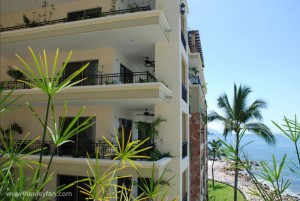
184, 149
183, 40
185, 197
120, 31
184, 93
101, 79
66, 20
69, 149
109, 89
194, 79
77, 162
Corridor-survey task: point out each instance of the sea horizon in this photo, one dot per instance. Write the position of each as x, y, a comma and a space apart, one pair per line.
258, 150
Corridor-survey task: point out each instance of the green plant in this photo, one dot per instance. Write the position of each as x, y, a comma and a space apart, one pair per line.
50, 86
195, 70
76, 153
239, 117
28, 22
265, 172
48, 10
103, 186
215, 152
167, 154
108, 82
113, 5
155, 155
152, 188
5, 101
291, 129
150, 129
15, 73
13, 128
99, 186
274, 176
132, 6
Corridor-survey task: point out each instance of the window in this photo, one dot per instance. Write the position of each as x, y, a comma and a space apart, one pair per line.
84, 14
73, 192
126, 75
90, 73
81, 142
127, 184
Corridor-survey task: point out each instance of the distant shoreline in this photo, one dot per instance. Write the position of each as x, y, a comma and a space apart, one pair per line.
245, 183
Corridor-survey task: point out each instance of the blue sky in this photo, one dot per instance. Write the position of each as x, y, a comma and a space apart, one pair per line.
254, 42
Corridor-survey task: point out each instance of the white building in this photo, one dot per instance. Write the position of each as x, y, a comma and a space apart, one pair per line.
140, 58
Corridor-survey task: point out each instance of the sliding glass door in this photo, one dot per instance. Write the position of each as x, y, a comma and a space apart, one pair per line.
80, 143
89, 74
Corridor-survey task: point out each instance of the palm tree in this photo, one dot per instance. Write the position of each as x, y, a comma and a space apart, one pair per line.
239, 117
215, 152
13, 128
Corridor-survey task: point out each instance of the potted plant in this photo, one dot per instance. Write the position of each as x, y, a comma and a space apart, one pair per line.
15, 74
76, 153
150, 130
195, 70
13, 128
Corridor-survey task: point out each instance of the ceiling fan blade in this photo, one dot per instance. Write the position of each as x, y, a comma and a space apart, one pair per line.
152, 115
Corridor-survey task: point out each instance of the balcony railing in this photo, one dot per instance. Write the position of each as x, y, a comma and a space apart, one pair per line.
101, 79
194, 79
65, 20
68, 149
184, 198
184, 149
183, 40
184, 93
71, 149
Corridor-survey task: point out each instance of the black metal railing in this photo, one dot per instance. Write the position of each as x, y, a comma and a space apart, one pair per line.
65, 20
183, 40
194, 79
101, 79
71, 149
184, 149
185, 196
184, 93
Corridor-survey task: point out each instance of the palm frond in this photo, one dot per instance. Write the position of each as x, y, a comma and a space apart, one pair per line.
224, 104
262, 131
214, 116
253, 111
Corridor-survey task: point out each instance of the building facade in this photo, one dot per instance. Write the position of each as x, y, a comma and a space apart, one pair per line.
143, 64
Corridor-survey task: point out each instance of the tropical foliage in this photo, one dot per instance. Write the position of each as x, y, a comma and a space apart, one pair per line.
239, 117
291, 129
14, 158
215, 151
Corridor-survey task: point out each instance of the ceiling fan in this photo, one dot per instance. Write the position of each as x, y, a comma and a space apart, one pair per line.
149, 63
146, 113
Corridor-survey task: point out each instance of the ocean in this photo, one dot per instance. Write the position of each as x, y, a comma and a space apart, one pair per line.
258, 150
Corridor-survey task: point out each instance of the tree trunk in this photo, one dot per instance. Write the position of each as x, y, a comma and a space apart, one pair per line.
212, 172
236, 170
297, 152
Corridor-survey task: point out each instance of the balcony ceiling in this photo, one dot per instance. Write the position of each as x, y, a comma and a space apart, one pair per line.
134, 34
